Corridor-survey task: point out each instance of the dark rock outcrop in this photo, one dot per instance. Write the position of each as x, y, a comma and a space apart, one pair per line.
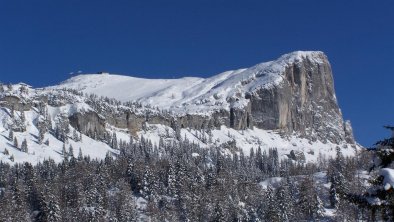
15, 103
88, 123
297, 155
304, 102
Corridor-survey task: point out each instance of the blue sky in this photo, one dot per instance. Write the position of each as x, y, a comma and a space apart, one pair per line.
42, 41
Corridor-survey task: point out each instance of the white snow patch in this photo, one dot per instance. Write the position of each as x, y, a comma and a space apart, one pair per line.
388, 174
273, 182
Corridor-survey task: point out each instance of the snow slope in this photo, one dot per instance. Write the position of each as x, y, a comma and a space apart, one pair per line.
189, 95
39, 152
249, 139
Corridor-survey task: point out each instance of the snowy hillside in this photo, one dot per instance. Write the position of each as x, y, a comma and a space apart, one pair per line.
190, 95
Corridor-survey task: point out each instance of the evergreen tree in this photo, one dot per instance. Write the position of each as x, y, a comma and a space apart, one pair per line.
41, 134
75, 136
284, 203
219, 215
309, 201
11, 135
24, 146
114, 143
272, 211
80, 156
381, 190
339, 187
64, 152
16, 145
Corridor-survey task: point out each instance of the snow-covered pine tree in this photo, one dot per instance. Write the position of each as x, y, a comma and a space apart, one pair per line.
80, 156
75, 135
15, 198
64, 152
284, 203
114, 142
62, 127
41, 134
16, 145
339, 188
11, 135
380, 196
24, 146
272, 212
309, 202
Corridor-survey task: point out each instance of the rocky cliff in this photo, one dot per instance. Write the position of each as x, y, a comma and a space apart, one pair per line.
304, 102
288, 103
294, 95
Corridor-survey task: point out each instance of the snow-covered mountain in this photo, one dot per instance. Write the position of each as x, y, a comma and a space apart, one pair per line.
191, 94
288, 103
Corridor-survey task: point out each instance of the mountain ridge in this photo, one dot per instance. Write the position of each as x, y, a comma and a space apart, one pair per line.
289, 103
175, 91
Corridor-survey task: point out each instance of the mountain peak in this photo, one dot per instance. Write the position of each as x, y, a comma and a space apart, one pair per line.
316, 56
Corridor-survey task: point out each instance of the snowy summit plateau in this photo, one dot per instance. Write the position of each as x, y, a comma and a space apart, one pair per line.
288, 104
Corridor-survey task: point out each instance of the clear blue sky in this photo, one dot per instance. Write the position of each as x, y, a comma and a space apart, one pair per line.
41, 42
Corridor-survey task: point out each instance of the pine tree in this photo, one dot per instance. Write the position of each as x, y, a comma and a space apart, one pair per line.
284, 203
71, 155
49, 207
24, 146
127, 209
80, 156
18, 201
114, 143
64, 152
23, 117
75, 136
16, 145
259, 159
70, 151
272, 212
172, 183
148, 185
338, 188
53, 210
382, 192
219, 215
41, 134
309, 202
11, 135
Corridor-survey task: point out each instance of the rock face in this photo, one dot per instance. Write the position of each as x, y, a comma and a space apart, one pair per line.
15, 103
304, 102
88, 123
297, 155
349, 132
